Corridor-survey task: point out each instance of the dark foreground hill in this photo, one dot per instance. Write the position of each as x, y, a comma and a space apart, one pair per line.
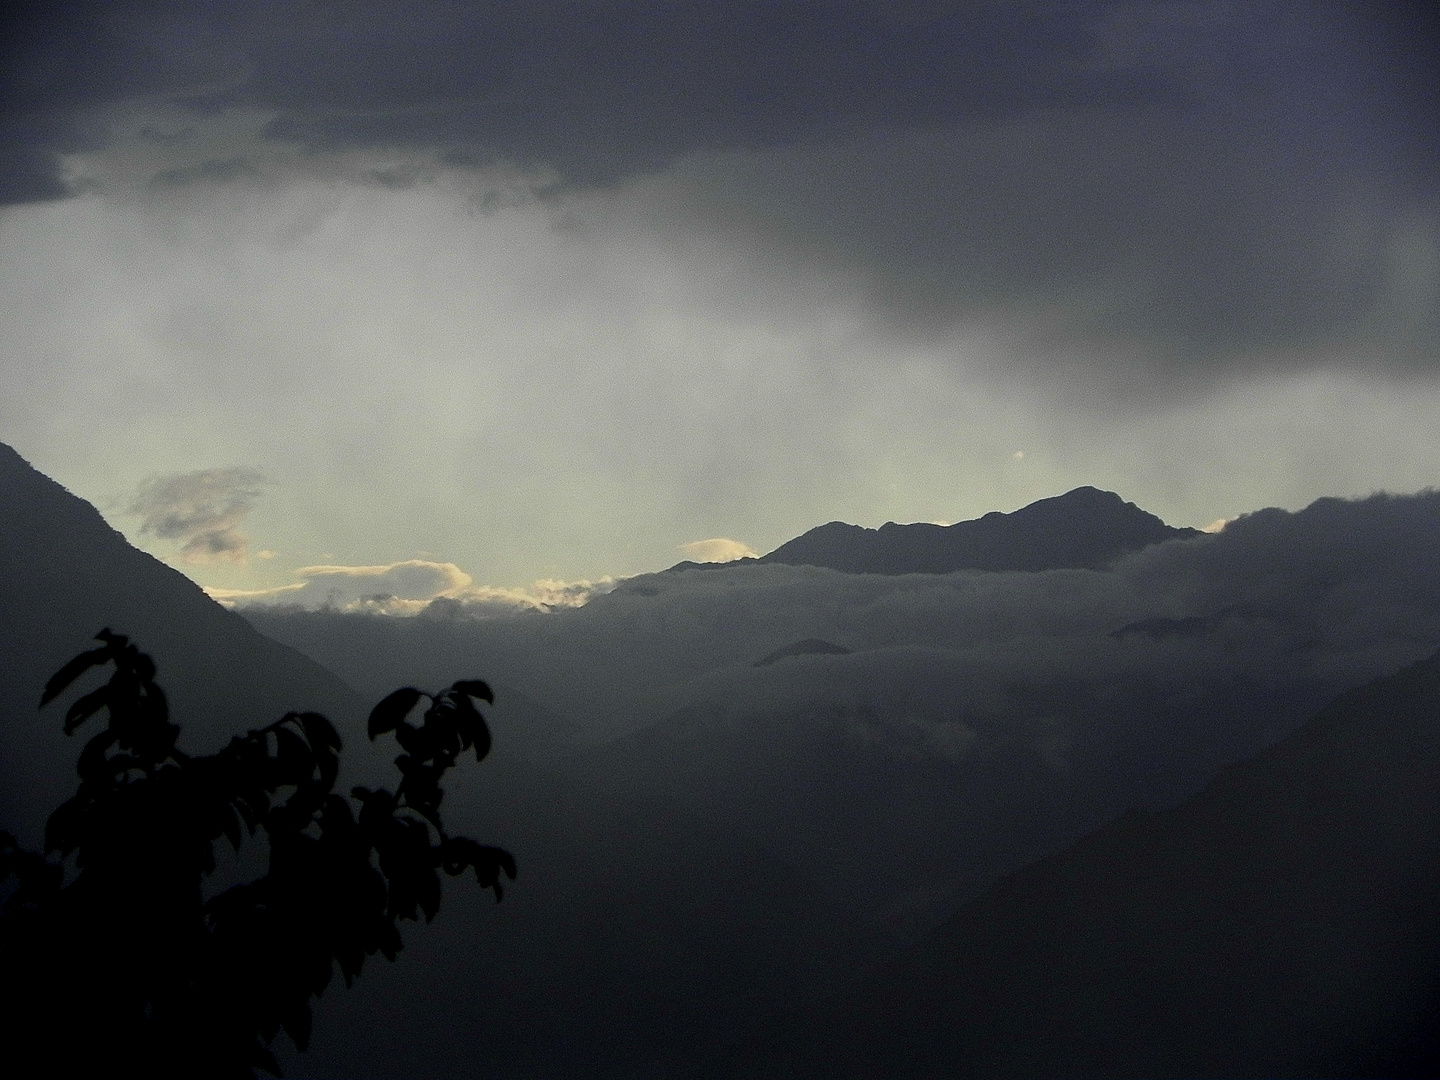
1082, 529
64, 574
1284, 922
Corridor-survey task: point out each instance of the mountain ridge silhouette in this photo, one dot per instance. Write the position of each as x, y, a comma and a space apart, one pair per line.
1084, 529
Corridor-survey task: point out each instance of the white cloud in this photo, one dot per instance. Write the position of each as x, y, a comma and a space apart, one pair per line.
547, 594
395, 588
412, 586
718, 549
230, 597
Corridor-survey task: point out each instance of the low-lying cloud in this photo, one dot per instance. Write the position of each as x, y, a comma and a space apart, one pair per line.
412, 587
202, 510
920, 731
1223, 639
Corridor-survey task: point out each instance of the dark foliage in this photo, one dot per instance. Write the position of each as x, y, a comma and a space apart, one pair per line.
113, 956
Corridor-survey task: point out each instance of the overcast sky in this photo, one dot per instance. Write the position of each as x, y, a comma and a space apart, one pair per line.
551, 290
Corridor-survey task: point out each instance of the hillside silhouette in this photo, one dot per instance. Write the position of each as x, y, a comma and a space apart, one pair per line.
1083, 529
63, 573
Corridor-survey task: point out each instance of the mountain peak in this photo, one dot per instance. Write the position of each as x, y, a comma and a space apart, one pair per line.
1085, 528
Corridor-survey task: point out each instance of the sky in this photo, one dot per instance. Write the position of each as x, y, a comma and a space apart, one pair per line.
519, 297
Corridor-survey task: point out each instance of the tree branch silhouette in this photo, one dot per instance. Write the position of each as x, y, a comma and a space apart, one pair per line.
108, 942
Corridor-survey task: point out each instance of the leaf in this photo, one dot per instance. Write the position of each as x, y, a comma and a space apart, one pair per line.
86, 707
427, 889
459, 852
390, 943
318, 730
473, 725
92, 762
442, 727
392, 710
475, 688
297, 1026
230, 824
410, 739
376, 808
72, 671
337, 814
266, 1060
294, 759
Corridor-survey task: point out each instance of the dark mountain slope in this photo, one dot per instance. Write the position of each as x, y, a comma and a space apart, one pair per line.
1284, 922
756, 836
1083, 529
64, 574
629, 942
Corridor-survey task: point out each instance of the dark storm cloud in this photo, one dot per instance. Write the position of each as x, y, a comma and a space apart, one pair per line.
600, 90
597, 90
1151, 192
62, 64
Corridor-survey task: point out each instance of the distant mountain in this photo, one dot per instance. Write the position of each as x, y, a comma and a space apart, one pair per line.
1284, 922
1083, 529
64, 574
808, 647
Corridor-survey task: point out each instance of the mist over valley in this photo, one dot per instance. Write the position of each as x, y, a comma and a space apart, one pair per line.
739, 791
944, 496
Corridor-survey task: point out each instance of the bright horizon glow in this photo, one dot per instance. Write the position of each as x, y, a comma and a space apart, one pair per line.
260, 339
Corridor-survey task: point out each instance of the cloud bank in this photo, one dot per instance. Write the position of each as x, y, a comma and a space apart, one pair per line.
1191, 191
912, 736
412, 587
1201, 649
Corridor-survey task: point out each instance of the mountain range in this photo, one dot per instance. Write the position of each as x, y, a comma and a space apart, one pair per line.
796, 819
1083, 529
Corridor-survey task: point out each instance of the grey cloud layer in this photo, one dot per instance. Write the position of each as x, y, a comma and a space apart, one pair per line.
1143, 195
1178, 249
203, 510
601, 90
598, 90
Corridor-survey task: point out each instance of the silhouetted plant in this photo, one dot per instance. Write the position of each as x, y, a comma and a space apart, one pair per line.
118, 960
